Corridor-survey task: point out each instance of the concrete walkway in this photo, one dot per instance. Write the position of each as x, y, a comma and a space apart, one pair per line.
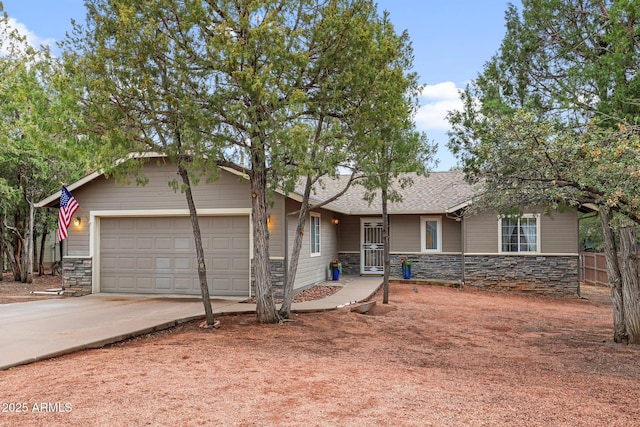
38, 330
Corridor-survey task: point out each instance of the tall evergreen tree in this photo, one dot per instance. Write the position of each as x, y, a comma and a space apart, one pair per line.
554, 119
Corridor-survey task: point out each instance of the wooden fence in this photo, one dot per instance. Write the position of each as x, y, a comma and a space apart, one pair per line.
593, 268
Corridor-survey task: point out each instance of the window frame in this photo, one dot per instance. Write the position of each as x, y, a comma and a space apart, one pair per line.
423, 233
518, 245
313, 215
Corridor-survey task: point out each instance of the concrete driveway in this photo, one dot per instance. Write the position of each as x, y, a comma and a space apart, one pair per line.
39, 330
32, 331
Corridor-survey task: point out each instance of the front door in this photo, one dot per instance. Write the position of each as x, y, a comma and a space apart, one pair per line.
372, 255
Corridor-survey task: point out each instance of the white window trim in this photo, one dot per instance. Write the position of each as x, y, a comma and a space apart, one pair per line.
538, 242
311, 253
423, 234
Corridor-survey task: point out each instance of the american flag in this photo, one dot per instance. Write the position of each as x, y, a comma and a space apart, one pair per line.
68, 206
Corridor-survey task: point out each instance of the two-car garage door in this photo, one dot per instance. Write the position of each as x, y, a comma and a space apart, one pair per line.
157, 255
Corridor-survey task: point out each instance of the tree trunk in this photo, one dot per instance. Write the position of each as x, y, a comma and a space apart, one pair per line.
16, 264
195, 224
1, 254
613, 276
385, 240
285, 309
34, 248
265, 306
36, 252
630, 290
13, 263
27, 249
43, 247
8, 250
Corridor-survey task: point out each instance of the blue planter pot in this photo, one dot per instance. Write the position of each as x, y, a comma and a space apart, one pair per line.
336, 274
406, 271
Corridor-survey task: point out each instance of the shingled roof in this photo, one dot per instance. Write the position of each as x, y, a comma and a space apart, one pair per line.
439, 192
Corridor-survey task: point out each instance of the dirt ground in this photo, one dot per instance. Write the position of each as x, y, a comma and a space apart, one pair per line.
12, 291
435, 356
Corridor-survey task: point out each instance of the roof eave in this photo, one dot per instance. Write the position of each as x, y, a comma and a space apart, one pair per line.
49, 201
588, 207
459, 206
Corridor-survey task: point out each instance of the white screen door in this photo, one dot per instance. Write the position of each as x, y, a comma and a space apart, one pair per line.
372, 256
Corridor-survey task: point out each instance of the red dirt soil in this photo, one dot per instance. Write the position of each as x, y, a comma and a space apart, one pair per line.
12, 291
433, 356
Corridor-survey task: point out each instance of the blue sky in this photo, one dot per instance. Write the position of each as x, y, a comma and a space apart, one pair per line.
452, 39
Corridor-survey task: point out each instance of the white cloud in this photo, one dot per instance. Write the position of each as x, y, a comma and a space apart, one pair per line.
436, 101
31, 37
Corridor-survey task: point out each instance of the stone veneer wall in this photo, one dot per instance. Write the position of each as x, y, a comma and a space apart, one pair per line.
77, 276
544, 275
350, 263
278, 275
431, 266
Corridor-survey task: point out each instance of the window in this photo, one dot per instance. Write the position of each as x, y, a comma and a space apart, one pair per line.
519, 234
315, 234
431, 233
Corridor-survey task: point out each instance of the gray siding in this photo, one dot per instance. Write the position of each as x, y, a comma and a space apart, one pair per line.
481, 233
451, 235
228, 192
558, 233
277, 228
349, 232
77, 241
404, 233
312, 270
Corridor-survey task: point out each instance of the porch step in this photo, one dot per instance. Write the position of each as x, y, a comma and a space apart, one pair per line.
363, 308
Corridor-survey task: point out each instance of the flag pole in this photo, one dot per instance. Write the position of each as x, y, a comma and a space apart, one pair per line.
68, 207
61, 267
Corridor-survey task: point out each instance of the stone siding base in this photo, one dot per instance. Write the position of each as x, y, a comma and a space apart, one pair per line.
350, 263
278, 276
543, 275
77, 276
432, 266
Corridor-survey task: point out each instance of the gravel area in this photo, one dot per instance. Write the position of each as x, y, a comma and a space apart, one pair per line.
310, 294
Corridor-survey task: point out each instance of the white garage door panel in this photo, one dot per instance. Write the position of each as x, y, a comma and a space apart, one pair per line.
157, 255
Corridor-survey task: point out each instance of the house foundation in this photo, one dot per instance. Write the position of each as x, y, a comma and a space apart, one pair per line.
77, 275
278, 277
541, 275
535, 274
